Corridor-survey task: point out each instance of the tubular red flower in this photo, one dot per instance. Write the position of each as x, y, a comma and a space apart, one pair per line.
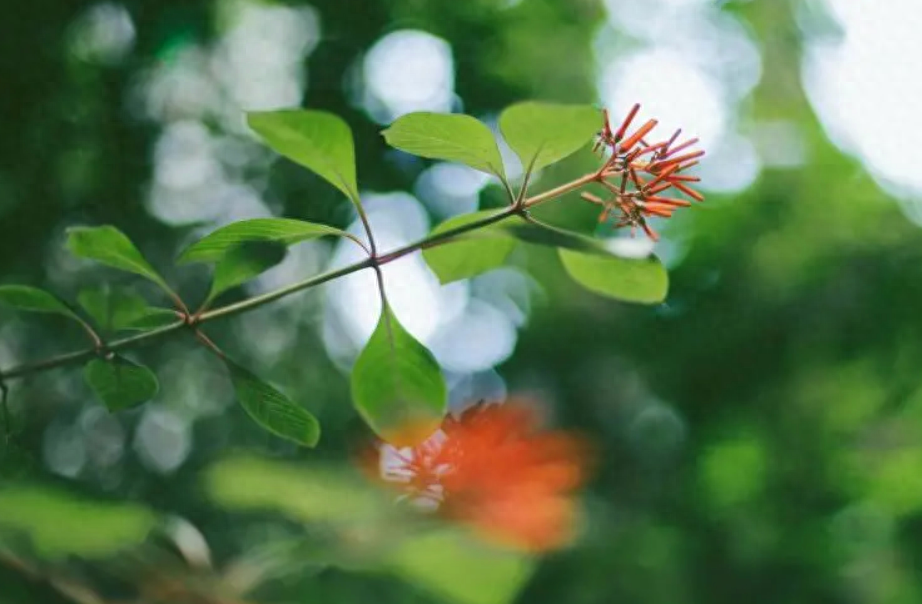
628, 144
627, 122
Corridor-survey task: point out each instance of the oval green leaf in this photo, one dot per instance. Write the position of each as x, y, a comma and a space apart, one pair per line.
32, 299
443, 561
317, 140
123, 310
397, 385
286, 231
640, 280
244, 262
544, 133
120, 383
273, 410
59, 524
472, 253
108, 245
452, 137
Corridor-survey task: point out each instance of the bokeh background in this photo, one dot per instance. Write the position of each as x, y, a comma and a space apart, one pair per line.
759, 434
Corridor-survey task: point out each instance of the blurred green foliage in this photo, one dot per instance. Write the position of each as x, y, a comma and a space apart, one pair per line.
758, 434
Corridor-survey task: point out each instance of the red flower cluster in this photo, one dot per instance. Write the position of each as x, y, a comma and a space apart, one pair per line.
638, 174
493, 471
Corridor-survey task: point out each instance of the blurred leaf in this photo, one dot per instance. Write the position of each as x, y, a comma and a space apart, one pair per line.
547, 235
244, 262
544, 133
319, 141
23, 297
452, 137
121, 309
108, 245
640, 280
303, 493
733, 472
60, 525
273, 410
455, 567
286, 231
120, 383
471, 254
397, 385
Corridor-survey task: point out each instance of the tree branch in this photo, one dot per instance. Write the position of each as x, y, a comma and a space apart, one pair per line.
80, 356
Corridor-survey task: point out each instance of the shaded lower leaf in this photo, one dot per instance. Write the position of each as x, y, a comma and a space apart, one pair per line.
273, 410
32, 299
243, 262
108, 245
123, 310
59, 524
120, 383
397, 385
641, 280
471, 254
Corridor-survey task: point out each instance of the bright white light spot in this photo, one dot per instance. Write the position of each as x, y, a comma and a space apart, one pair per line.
104, 33
163, 439
630, 247
406, 71
260, 58
865, 86
731, 166
671, 89
415, 295
479, 339
449, 189
64, 450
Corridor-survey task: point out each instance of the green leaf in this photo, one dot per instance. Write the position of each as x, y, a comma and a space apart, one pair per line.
120, 383
452, 137
472, 253
286, 231
397, 385
273, 410
123, 310
23, 297
61, 525
315, 493
319, 141
544, 133
453, 566
641, 280
244, 262
108, 245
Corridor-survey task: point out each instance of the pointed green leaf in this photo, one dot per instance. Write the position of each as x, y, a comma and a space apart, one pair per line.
544, 133
471, 254
452, 137
273, 410
319, 141
108, 245
397, 385
244, 262
120, 383
640, 280
285, 231
444, 562
123, 310
32, 299
59, 524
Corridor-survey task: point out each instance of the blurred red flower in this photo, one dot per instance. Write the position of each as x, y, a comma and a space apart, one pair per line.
494, 470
